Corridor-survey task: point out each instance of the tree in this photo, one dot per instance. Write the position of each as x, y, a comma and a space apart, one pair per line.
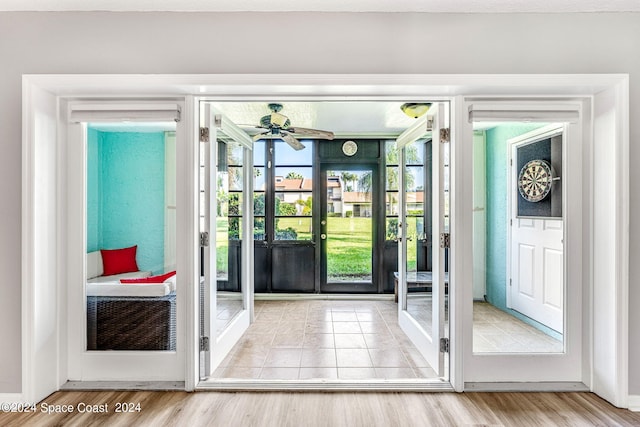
294, 175
349, 178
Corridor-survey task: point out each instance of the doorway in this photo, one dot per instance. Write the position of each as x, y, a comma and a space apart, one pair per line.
349, 218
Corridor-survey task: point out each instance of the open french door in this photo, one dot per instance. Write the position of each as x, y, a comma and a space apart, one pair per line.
226, 226
421, 314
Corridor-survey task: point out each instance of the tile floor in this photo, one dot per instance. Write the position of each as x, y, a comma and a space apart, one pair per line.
325, 340
354, 340
495, 331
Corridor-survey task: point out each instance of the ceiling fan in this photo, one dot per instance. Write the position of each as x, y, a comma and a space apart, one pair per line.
276, 125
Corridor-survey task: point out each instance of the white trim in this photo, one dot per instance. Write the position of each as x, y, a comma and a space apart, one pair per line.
634, 402
11, 398
358, 86
325, 385
526, 386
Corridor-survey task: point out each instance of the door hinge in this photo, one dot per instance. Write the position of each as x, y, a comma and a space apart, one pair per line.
445, 135
204, 239
204, 343
444, 345
204, 134
445, 240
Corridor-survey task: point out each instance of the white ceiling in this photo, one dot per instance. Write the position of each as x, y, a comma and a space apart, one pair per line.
345, 119
438, 6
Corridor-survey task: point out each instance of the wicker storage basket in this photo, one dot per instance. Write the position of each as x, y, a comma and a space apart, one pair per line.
131, 323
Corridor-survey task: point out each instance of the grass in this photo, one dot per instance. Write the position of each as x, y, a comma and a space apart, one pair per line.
349, 245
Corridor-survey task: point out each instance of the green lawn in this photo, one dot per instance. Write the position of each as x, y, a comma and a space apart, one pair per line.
349, 243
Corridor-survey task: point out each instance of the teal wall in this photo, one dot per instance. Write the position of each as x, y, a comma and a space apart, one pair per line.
497, 194
125, 200
93, 190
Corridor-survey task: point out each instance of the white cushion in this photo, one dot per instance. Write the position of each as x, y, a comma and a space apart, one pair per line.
117, 277
94, 265
117, 289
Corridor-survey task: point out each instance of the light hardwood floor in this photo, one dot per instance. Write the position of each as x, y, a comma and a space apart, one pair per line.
331, 409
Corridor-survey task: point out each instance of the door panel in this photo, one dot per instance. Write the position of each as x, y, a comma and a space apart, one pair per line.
227, 220
422, 314
347, 232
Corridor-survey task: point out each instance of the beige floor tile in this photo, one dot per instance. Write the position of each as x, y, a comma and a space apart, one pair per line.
344, 316
268, 373
283, 358
318, 373
395, 373
356, 373
353, 358
388, 358
381, 341
347, 328
242, 373
288, 340
319, 341
350, 341
319, 328
318, 358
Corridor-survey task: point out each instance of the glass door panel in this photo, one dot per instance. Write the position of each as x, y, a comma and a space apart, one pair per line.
347, 224
421, 223
226, 239
131, 236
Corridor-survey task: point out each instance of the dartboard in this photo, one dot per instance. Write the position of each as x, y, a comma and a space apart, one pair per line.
534, 180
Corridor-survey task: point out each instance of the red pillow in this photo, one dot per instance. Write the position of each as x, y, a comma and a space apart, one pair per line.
151, 279
118, 261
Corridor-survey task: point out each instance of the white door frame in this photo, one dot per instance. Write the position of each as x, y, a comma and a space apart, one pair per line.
43, 234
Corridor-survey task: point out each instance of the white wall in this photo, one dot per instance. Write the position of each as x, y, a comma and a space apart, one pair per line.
293, 43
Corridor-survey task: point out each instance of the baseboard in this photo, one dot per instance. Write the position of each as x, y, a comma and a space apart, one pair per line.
526, 386
634, 402
11, 398
123, 385
297, 297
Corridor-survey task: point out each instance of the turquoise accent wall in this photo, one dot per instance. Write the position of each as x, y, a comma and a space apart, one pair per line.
93, 190
497, 216
125, 207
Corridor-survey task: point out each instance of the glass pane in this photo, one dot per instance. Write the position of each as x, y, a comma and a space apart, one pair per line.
293, 178
235, 178
293, 229
522, 312
392, 201
414, 153
259, 179
418, 256
258, 228
234, 202
258, 204
235, 153
293, 204
285, 155
391, 229
258, 153
392, 178
414, 178
131, 235
349, 241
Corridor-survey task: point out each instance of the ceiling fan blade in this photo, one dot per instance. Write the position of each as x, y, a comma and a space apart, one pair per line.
260, 136
311, 133
289, 139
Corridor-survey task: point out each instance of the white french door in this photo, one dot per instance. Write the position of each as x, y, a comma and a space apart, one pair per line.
421, 315
528, 327
226, 225
122, 205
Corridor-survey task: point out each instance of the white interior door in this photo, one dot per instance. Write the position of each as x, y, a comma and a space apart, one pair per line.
227, 237
422, 315
536, 247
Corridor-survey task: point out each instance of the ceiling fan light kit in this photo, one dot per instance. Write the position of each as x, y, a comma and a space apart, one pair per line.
415, 109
